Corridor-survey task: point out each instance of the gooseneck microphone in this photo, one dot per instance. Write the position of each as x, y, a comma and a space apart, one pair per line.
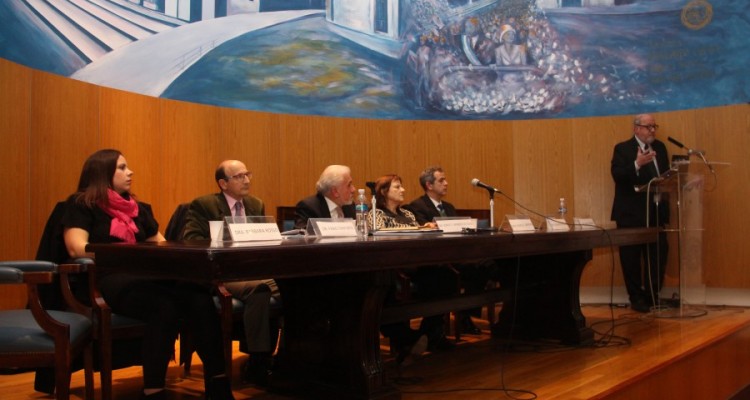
675, 142
700, 153
682, 146
476, 182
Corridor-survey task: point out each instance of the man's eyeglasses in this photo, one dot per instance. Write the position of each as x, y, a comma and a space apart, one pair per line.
649, 127
242, 176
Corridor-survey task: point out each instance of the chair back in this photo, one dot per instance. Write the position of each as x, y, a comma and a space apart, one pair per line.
177, 222
46, 339
52, 249
285, 216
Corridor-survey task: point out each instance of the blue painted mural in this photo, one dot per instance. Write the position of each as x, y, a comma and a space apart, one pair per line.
397, 59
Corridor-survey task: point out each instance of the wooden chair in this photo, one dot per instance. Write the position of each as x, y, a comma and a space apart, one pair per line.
37, 337
229, 308
109, 327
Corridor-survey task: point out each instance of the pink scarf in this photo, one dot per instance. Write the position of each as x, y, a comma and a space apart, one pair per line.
122, 212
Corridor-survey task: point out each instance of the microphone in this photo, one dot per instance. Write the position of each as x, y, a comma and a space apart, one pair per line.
476, 182
682, 146
675, 142
700, 153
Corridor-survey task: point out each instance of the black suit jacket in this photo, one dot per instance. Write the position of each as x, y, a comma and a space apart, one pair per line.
316, 207
629, 207
425, 210
214, 207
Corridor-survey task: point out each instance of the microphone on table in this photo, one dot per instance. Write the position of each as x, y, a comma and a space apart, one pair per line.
476, 182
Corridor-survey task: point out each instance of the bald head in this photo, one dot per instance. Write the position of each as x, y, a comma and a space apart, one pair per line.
233, 178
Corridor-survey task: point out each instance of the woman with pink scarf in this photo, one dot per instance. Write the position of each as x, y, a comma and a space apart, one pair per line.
103, 210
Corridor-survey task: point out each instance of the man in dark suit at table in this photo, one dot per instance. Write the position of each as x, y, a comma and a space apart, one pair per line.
635, 163
234, 199
426, 208
334, 197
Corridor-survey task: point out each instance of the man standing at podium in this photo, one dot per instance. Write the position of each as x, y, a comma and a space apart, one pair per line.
635, 163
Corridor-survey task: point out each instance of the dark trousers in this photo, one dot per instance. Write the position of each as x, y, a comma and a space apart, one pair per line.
168, 307
429, 282
643, 268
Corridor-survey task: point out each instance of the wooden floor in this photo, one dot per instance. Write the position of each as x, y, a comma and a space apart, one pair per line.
636, 356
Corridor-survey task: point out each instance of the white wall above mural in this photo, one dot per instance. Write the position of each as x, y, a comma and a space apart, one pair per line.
397, 59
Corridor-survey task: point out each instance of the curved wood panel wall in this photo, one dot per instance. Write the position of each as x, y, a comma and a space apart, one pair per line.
50, 124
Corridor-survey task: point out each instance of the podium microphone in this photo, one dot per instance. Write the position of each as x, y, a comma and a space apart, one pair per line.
476, 182
675, 142
700, 153
682, 146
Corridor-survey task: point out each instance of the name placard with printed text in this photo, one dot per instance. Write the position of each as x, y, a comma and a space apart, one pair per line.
244, 232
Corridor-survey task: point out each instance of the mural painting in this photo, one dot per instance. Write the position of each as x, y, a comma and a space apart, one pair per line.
398, 59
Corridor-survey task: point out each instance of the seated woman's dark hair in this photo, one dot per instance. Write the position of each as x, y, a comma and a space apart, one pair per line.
96, 177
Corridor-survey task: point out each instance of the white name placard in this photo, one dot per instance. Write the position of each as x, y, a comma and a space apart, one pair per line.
454, 225
336, 228
585, 224
557, 225
244, 232
518, 224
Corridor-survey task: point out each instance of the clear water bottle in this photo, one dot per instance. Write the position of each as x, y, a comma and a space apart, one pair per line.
361, 209
562, 211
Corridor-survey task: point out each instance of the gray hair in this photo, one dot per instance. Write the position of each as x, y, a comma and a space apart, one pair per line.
331, 177
428, 176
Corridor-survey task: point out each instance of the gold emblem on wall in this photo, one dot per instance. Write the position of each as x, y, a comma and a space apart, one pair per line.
697, 14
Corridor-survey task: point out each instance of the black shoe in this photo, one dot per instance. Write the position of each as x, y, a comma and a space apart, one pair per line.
640, 306
256, 370
468, 327
219, 388
440, 344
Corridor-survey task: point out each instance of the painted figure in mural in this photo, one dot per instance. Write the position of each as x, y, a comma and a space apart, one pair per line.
509, 53
477, 47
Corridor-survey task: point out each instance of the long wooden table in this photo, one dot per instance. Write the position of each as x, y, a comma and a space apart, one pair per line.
333, 290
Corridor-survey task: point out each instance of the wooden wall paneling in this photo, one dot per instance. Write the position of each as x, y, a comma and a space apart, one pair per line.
252, 138
190, 148
64, 132
543, 166
680, 125
15, 182
342, 141
481, 150
296, 161
130, 123
724, 133
536, 162
496, 166
398, 147
593, 142
444, 146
